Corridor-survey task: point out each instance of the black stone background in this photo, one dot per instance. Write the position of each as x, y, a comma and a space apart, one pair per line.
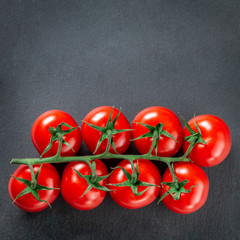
78, 55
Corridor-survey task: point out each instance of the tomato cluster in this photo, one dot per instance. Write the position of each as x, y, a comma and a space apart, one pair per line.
156, 131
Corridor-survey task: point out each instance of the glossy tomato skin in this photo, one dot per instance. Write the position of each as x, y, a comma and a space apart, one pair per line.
167, 147
41, 135
188, 202
99, 116
217, 135
124, 196
73, 186
48, 177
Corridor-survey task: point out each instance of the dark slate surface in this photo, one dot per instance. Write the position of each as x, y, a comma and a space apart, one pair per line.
77, 55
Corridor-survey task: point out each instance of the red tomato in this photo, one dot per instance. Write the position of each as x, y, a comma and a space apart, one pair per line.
41, 135
217, 135
167, 147
48, 177
99, 116
124, 196
192, 201
73, 186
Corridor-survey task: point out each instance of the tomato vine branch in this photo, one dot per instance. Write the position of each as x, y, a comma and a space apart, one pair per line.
105, 155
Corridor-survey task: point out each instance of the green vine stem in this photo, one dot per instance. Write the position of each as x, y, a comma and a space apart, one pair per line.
175, 181
60, 141
94, 175
155, 138
34, 180
105, 155
134, 174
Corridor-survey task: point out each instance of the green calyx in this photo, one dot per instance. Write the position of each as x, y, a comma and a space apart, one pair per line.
177, 186
133, 181
93, 180
174, 191
154, 133
33, 189
195, 137
108, 131
57, 135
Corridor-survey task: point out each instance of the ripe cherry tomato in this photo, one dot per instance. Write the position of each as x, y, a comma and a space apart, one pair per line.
124, 196
99, 116
48, 177
167, 147
73, 186
217, 135
192, 201
41, 135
